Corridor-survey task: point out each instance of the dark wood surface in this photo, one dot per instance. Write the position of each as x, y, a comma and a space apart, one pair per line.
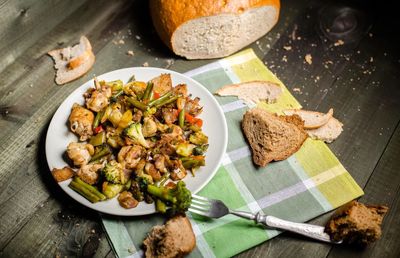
360, 80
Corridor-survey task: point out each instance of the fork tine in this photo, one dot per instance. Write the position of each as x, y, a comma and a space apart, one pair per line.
207, 214
201, 202
200, 198
194, 206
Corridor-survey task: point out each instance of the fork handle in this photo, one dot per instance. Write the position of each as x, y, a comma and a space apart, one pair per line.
308, 230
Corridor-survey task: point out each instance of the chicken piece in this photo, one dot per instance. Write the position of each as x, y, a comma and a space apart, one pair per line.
170, 115
127, 201
180, 89
62, 174
193, 107
80, 153
162, 83
81, 121
137, 116
178, 172
151, 170
97, 99
174, 136
130, 156
159, 163
90, 173
149, 127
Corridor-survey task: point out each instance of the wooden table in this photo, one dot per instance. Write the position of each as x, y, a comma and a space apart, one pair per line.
359, 80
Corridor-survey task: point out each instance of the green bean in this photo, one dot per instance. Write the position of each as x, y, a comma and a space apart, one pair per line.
91, 188
149, 89
97, 119
181, 118
114, 98
84, 192
165, 102
103, 152
160, 99
137, 104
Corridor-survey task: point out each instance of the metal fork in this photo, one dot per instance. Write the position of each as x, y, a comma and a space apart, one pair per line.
215, 209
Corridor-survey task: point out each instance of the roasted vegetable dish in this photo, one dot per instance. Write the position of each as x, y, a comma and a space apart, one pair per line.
137, 141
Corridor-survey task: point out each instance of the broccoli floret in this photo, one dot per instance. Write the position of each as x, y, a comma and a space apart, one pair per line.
113, 172
193, 161
177, 199
111, 190
134, 132
198, 138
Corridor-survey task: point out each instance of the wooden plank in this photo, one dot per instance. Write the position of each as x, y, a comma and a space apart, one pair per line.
383, 188
369, 110
25, 142
57, 228
19, 19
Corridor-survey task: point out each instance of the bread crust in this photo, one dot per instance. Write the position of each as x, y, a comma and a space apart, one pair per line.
320, 119
168, 15
174, 239
271, 137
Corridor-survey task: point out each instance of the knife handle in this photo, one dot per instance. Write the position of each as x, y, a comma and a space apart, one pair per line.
308, 230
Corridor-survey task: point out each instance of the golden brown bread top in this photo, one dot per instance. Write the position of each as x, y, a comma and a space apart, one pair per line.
168, 15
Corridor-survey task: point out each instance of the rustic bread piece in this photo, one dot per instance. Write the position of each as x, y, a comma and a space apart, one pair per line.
174, 239
206, 29
312, 119
272, 137
328, 132
356, 223
253, 91
73, 62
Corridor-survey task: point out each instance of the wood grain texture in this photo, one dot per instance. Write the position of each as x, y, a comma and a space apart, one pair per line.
40, 220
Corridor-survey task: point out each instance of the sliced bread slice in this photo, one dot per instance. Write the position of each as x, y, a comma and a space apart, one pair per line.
252, 91
328, 132
272, 137
174, 239
312, 119
73, 62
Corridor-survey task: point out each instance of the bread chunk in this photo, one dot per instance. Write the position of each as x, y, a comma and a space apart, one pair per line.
272, 137
356, 223
174, 239
312, 119
252, 91
73, 62
205, 29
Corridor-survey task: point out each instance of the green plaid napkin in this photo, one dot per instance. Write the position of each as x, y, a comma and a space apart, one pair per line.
307, 184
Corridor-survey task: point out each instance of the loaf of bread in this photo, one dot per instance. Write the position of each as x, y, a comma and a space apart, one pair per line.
272, 137
174, 239
356, 223
205, 29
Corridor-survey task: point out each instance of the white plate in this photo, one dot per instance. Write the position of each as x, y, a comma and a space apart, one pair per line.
59, 136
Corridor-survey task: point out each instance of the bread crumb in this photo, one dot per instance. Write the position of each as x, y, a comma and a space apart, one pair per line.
287, 48
338, 43
284, 59
296, 90
370, 35
138, 37
145, 64
130, 53
121, 42
308, 59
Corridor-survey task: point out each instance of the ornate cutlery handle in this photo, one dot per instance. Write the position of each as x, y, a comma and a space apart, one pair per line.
308, 230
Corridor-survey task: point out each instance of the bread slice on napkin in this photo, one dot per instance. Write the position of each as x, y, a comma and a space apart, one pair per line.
328, 132
312, 119
174, 239
252, 91
73, 62
272, 137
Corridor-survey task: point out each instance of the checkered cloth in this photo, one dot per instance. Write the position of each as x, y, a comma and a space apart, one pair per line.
307, 184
